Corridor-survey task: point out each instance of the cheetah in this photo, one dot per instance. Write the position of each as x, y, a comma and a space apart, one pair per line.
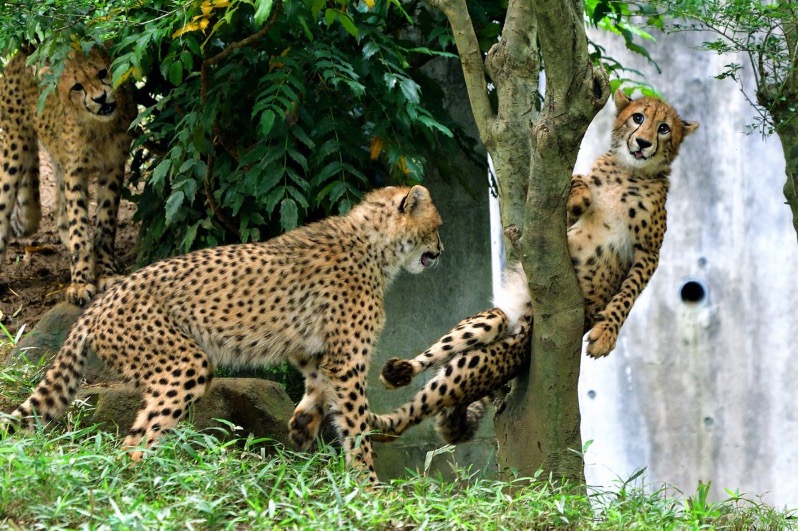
616, 223
477, 357
313, 296
84, 126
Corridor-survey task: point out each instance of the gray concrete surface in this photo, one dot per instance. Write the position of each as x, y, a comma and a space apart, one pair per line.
705, 390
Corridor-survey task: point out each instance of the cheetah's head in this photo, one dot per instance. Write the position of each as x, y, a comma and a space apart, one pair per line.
410, 226
86, 85
647, 132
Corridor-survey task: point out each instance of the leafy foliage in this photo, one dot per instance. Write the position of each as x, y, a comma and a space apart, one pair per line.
79, 478
260, 115
764, 33
626, 20
257, 115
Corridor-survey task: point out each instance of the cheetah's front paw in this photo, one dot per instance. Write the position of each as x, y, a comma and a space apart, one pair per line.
303, 429
80, 294
601, 340
396, 373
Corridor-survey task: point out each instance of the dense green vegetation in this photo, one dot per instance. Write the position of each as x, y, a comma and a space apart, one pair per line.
76, 476
80, 479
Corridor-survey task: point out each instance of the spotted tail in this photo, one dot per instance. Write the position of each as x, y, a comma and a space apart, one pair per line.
60, 383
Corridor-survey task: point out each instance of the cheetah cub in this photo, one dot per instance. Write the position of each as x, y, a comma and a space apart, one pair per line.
617, 217
84, 127
477, 357
616, 220
313, 296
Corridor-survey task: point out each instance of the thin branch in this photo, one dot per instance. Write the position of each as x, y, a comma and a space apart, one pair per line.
456, 12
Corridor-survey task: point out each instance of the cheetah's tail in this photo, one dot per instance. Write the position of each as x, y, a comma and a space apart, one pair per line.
513, 296
459, 424
59, 385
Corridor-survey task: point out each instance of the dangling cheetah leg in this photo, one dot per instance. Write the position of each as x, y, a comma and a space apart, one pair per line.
109, 193
166, 400
309, 413
475, 331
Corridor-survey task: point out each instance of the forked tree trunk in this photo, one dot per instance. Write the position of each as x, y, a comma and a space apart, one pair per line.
534, 155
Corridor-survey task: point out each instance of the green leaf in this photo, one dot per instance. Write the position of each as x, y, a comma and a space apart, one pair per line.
329, 16
266, 122
348, 24
160, 171
411, 90
369, 49
263, 9
173, 205
289, 214
175, 73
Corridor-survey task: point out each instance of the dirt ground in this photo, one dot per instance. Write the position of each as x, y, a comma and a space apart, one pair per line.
35, 271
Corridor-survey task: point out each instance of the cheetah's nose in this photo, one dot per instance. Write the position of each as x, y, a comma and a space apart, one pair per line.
643, 143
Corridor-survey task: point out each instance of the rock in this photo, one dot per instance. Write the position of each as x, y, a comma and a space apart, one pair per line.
49, 333
47, 337
259, 407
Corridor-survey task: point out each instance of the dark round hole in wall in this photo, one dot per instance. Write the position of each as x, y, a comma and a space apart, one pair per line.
693, 292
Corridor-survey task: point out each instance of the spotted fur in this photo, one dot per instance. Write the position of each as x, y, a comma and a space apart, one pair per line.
83, 125
616, 219
313, 296
477, 357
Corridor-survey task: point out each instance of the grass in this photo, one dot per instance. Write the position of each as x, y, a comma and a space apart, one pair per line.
75, 476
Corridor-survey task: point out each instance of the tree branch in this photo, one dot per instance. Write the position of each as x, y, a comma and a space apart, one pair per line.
456, 12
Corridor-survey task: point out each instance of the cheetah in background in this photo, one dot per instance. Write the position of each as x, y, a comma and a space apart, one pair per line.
83, 125
616, 224
313, 296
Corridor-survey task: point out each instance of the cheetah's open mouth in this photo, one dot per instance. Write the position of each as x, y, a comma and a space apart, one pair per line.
106, 109
639, 155
428, 259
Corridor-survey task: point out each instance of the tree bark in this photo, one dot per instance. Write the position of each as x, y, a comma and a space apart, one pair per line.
534, 155
788, 135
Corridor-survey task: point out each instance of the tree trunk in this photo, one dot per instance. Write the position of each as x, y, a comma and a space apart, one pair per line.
784, 118
788, 134
534, 155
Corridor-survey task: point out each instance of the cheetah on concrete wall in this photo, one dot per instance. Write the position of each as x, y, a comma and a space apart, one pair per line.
313, 296
83, 125
616, 224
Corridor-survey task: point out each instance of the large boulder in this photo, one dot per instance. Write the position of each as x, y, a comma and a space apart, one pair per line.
258, 407
47, 337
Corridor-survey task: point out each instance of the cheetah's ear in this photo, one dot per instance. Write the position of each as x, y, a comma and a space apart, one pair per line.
688, 128
621, 100
411, 203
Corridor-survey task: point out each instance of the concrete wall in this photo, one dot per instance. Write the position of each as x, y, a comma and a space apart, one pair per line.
422, 308
705, 391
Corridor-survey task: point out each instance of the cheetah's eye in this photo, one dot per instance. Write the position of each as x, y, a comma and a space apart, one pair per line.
664, 129
102, 74
77, 86
638, 118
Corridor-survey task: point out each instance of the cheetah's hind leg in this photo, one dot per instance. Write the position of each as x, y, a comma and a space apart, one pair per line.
472, 332
460, 423
164, 404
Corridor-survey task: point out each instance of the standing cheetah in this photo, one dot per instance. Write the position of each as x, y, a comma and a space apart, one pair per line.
616, 223
313, 296
83, 125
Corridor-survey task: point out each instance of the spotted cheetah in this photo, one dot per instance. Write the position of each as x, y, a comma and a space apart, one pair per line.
616, 223
478, 356
313, 296
83, 125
